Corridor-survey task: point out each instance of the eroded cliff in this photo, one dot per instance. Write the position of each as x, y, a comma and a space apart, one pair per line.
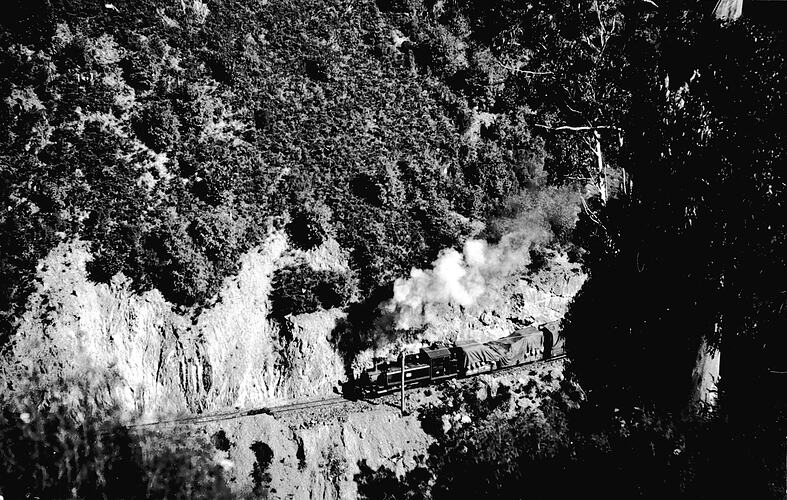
156, 359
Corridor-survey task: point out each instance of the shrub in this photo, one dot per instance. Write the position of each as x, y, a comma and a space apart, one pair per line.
187, 276
299, 289
555, 210
220, 440
539, 258
143, 65
157, 126
57, 446
219, 234
260, 475
308, 226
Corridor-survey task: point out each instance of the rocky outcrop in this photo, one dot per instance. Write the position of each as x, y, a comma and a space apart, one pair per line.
513, 302
151, 358
317, 462
155, 359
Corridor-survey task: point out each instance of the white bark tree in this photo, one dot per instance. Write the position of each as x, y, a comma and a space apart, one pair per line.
592, 137
704, 377
728, 10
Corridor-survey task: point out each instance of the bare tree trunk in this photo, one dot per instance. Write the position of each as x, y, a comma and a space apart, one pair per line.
625, 182
704, 377
728, 10
601, 173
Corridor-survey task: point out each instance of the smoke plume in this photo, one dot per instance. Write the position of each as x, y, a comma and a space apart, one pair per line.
462, 279
459, 279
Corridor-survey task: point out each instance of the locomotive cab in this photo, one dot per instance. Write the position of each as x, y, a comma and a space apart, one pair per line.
370, 377
415, 370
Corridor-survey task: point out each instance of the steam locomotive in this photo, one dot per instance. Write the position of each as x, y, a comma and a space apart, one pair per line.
440, 362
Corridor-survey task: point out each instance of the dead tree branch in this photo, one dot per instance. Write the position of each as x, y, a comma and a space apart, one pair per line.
580, 128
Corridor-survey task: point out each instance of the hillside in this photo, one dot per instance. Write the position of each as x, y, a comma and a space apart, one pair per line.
151, 360
216, 204
182, 180
174, 137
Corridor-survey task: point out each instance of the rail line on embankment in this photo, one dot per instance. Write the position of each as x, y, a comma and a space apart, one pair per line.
297, 405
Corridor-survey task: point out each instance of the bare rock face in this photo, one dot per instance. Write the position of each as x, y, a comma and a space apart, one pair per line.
319, 461
136, 343
311, 359
728, 10
152, 359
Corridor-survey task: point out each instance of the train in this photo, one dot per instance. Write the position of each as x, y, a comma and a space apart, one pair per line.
440, 362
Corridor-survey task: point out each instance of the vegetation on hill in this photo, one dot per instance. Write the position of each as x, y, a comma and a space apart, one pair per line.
568, 448
173, 136
58, 446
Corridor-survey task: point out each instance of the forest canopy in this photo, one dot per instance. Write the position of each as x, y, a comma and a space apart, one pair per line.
173, 137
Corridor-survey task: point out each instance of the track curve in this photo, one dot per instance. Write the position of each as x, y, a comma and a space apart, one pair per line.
284, 408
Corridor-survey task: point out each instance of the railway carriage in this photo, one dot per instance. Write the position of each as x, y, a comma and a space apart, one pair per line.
441, 362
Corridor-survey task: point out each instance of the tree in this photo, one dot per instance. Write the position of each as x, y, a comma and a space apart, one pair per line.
728, 9
60, 442
693, 257
572, 64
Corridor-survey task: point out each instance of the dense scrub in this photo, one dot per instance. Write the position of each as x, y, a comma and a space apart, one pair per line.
66, 446
173, 137
567, 449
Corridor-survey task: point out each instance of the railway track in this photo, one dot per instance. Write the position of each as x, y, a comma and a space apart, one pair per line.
301, 405
199, 419
307, 405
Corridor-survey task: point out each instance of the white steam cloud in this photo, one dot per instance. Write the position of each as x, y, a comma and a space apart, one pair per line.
458, 278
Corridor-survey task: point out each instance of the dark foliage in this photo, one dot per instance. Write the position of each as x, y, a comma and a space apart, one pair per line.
565, 451
55, 449
220, 441
698, 246
300, 289
157, 126
249, 108
308, 227
261, 478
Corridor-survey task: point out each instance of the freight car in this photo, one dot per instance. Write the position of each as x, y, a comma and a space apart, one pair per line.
441, 362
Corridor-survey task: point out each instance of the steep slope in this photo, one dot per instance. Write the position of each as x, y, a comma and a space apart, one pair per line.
195, 193
173, 136
158, 359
